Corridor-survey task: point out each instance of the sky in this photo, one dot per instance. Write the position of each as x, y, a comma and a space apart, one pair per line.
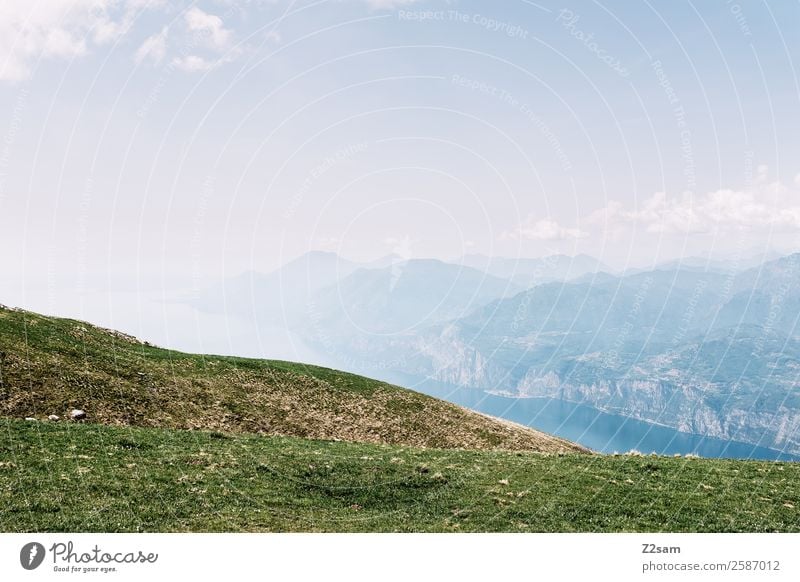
154, 143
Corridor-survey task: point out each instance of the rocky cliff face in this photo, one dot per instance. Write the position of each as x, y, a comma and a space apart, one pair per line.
448, 358
698, 408
683, 390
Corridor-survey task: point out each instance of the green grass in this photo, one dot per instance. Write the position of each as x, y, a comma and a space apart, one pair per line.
84, 477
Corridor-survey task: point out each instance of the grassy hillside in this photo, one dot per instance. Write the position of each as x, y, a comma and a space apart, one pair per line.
85, 477
50, 366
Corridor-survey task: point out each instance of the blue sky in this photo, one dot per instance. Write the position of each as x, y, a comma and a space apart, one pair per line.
202, 139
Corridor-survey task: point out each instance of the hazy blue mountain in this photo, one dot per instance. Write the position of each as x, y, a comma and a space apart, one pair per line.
649, 307
780, 272
728, 265
404, 296
767, 295
704, 264
280, 295
527, 272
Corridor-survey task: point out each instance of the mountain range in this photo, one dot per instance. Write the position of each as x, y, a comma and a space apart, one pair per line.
710, 349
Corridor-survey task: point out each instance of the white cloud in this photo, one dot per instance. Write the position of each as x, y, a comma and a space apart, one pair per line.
210, 27
545, 229
31, 31
60, 29
273, 36
194, 63
772, 206
154, 48
199, 64
210, 31
61, 43
402, 246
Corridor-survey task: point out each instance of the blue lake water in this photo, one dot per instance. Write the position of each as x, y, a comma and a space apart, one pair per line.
591, 428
